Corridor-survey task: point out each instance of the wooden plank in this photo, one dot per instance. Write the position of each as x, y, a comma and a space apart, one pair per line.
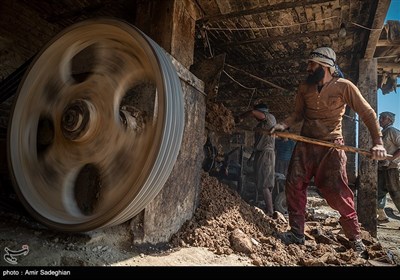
322, 143
389, 65
209, 8
300, 138
284, 38
387, 43
376, 28
193, 9
259, 10
258, 79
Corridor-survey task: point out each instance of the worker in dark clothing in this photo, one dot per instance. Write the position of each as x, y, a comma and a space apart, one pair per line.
263, 152
320, 103
389, 169
284, 148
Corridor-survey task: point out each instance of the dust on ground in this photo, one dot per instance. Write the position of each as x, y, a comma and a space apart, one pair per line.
224, 231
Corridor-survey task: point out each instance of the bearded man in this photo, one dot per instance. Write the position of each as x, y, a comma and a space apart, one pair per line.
320, 103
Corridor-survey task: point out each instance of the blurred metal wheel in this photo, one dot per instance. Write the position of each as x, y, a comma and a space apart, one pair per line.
96, 126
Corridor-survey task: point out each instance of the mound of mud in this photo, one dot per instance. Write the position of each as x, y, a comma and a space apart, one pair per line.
226, 224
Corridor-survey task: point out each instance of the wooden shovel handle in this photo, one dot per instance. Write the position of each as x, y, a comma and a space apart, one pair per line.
324, 143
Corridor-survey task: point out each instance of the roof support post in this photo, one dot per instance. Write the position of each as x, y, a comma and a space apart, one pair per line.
170, 23
368, 169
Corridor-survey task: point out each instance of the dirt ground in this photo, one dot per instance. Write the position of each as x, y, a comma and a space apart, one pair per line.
225, 231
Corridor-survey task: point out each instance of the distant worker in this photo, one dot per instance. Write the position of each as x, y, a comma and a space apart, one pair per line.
263, 152
389, 169
284, 148
320, 103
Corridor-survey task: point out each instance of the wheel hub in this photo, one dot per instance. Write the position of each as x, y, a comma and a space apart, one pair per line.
76, 119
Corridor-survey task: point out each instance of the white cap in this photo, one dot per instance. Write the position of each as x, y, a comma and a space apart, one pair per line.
324, 56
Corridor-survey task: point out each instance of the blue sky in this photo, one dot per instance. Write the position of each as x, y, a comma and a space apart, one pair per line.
391, 101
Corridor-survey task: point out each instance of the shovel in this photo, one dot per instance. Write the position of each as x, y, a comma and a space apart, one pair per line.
324, 143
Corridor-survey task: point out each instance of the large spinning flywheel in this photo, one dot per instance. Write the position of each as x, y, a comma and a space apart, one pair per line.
96, 126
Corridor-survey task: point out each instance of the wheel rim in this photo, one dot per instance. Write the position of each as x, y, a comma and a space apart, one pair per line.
96, 126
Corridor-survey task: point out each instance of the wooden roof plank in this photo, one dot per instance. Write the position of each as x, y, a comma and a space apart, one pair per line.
376, 28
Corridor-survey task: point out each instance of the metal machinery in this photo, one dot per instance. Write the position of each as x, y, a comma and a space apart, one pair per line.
222, 167
96, 126
278, 193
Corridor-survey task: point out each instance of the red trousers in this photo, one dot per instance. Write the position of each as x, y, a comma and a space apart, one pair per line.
328, 167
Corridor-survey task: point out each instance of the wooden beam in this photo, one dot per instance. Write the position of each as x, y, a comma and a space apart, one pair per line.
282, 39
290, 59
323, 143
257, 78
395, 66
77, 12
368, 170
264, 9
376, 28
387, 43
194, 9
380, 73
239, 101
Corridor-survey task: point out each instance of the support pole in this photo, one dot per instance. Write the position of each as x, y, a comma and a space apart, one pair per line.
368, 170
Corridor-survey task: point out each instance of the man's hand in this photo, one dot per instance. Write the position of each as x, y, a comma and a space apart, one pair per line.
378, 152
278, 127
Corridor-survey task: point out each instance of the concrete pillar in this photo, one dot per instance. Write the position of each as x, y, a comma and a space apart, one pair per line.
368, 169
